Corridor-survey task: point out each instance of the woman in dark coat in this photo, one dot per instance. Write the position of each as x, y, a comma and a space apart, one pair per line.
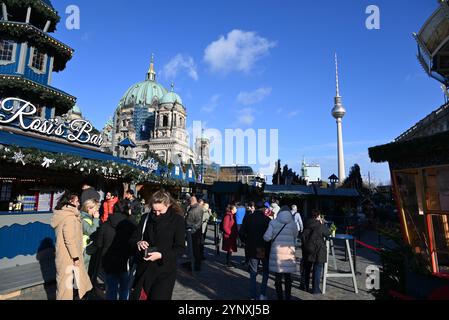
314, 250
161, 235
113, 241
230, 233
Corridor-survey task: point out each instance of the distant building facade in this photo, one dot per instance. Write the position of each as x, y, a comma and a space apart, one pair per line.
311, 173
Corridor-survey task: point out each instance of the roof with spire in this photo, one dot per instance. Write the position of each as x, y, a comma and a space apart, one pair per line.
127, 143
171, 97
145, 92
151, 74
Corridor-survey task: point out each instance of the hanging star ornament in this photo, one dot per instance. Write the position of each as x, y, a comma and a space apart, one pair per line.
18, 157
47, 162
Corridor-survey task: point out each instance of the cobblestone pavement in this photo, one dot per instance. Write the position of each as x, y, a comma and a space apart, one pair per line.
216, 282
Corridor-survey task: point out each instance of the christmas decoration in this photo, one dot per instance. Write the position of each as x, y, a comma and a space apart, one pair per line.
18, 157
47, 162
59, 162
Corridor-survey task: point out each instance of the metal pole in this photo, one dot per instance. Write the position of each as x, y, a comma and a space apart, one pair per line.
202, 159
190, 246
217, 239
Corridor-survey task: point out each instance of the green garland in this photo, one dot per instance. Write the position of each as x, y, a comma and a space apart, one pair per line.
39, 9
38, 94
64, 162
22, 32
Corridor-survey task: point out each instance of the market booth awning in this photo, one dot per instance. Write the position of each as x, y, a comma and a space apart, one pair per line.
417, 152
340, 192
290, 190
8, 138
227, 187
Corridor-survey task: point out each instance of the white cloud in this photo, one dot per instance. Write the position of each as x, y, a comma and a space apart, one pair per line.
178, 64
212, 104
238, 51
253, 97
294, 113
245, 116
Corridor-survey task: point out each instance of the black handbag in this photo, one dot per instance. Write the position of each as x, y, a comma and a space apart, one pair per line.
261, 252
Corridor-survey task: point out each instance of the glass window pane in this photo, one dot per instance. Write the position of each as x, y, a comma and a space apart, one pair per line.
443, 187
6, 50
432, 198
38, 60
441, 236
409, 188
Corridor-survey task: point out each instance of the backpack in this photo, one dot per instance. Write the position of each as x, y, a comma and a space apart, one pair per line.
308, 245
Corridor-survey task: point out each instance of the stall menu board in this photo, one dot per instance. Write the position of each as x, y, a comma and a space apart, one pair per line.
44, 203
28, 203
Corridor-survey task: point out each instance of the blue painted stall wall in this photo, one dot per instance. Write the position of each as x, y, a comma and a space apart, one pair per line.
30, 74
173, 172
11, 68
48, 112
193, 177
26, 239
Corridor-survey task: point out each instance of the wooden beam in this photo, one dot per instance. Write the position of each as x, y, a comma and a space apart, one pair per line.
28, 15
47, 25
5, 12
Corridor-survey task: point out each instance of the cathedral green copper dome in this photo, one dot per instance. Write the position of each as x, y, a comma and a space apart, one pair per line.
171, 97
143, 93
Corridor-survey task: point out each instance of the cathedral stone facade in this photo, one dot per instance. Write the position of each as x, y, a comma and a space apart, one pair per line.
149, 120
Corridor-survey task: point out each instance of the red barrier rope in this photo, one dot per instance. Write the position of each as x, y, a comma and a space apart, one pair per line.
368, 246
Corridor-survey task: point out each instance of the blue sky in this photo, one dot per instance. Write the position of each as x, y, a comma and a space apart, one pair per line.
280, 75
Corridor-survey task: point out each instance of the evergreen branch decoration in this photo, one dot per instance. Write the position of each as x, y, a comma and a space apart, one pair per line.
35, 93
23, 32
38, 7
63, 162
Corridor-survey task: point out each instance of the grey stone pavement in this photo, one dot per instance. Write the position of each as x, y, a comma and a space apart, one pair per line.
216, 282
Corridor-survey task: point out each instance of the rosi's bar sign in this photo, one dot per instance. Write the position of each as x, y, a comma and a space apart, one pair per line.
77, 130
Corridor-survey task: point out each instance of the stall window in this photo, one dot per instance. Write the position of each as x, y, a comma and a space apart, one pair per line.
38, 61
431, 187
409, 188
7, 51
440, 228
5, 191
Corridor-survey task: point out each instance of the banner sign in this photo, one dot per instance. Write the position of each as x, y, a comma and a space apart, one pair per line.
15, 110
150, 164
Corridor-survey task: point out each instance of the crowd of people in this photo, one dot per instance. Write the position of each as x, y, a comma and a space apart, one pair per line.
270, 233
134, 248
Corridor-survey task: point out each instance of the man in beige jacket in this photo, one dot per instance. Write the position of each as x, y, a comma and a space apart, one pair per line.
70, 271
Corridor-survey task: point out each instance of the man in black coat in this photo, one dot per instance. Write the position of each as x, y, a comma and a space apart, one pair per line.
133, 204
194, 221
257, 249
314, 252
113, 242
89, 193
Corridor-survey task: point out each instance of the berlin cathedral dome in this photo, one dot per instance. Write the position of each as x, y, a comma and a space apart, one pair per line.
150, 119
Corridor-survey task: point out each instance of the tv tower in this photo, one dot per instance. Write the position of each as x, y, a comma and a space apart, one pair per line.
338, 112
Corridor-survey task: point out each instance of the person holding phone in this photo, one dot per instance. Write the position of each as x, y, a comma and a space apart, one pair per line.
159, 241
